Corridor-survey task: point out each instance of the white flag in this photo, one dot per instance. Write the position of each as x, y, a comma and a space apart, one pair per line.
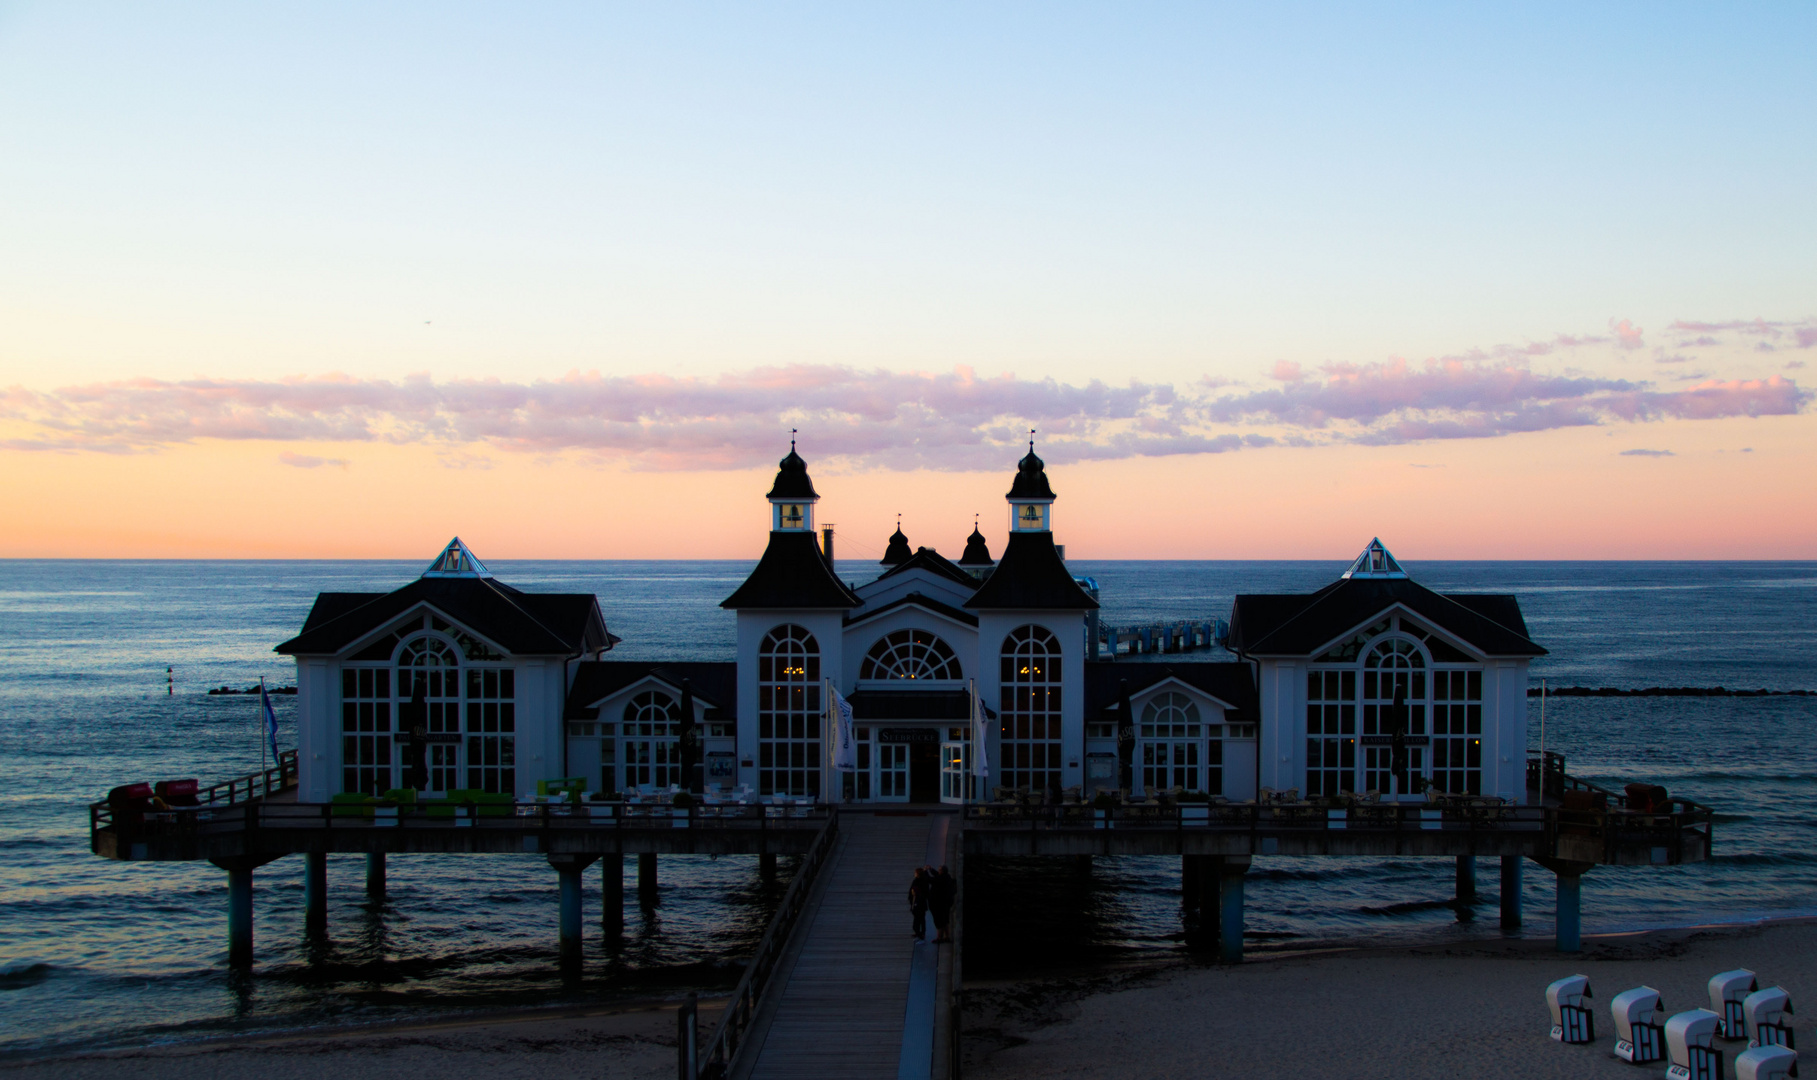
981, 761
845, 748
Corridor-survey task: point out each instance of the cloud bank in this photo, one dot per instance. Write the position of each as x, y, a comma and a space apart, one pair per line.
876, 418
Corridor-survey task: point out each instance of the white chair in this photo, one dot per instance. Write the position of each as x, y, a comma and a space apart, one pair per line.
1767, 1014
1691, 1044
1640, 1034
1727, 989
1766, 1063
1572, 1021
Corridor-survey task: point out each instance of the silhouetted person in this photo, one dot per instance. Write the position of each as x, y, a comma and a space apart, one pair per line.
920, 892
941, 894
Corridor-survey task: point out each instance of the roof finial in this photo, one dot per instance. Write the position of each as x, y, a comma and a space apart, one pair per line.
792, 433
1031, 440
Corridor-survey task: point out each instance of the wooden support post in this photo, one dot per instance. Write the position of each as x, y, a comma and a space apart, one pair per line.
612, 896
375, 875
687, 1039
1570, 912
1231, 869
239, 917
1511, 875
766, 866
646, 877
1466, 879
315, 893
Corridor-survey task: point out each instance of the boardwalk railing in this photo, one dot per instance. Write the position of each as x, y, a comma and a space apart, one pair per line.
281, 776
717, 1056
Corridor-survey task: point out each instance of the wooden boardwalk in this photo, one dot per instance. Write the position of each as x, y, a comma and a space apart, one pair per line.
840, 1014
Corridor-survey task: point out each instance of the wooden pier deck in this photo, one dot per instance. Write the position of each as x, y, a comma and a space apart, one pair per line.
858, 999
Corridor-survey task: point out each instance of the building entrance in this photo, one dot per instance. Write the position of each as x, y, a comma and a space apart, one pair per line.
924, 772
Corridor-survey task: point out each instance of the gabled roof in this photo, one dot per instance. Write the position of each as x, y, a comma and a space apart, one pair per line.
715, 685
792, 574
917, 600
935, 563
1031, 575
523, 624
1231, 683
1303, 624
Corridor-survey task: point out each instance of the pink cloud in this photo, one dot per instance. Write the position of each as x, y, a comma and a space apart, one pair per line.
308, 461
1627, 335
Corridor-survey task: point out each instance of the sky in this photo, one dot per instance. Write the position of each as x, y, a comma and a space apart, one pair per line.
324, 280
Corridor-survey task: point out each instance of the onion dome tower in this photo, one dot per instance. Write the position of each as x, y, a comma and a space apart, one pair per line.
977, 557
1031, 573
793, 572
898, 551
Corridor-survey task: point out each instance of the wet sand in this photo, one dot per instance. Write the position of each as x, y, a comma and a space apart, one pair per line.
1407, 1014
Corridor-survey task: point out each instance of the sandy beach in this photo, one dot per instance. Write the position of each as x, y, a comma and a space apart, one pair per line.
1405, 1013
1408, 1014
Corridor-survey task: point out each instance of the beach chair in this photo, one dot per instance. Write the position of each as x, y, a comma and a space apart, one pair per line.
1690, 1043
1727, 991
1767, 1014
1640, 1033
1766, 1063
1572, 1021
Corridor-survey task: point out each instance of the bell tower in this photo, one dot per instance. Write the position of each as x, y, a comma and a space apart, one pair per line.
1031, 499
792, 496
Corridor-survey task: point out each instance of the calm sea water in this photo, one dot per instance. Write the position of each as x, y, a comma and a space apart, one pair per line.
97, 953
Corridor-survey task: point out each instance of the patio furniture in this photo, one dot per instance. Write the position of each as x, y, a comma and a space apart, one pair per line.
1572, 1020
1727, 991
1690, 1045
1640, 1033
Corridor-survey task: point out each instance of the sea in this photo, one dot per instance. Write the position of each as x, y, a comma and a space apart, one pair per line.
105, 668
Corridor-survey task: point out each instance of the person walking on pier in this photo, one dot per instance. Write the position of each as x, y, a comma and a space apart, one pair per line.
941, 894
920, 892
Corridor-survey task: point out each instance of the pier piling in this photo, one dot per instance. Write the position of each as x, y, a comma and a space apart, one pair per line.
1511, 882
239, 917
568, 869
1191, 873
315, 893
375, 875
646, 877
1570, 912
612, 896
1466, 879
766, 867
1230, 870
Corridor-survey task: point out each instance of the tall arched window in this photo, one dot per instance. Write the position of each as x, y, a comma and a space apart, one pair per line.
428, 676
788, 712
1394, 676
910, 654
652, 750
366, 730
1031, 709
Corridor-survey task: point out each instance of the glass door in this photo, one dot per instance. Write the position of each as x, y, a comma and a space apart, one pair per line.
893, 772
952, 772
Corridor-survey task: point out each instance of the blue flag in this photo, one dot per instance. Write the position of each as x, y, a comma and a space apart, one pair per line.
271, 719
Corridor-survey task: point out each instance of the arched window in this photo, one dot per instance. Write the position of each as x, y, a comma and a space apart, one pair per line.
429, 693
910, 654
1394, 695
788, 712
1031, 709
652, 753
1173, 745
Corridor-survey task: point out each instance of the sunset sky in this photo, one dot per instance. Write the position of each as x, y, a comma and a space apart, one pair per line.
323, 280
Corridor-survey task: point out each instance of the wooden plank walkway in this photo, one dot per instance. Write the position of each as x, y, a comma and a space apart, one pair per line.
840, 1014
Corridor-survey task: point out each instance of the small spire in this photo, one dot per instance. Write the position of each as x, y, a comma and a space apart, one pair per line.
792, 433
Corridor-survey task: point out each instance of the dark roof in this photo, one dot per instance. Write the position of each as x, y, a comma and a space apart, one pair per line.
792, 574
928, 602
1031, 575
1031, 479
932, 561
898, 550
1299, 624
911, 705
977, 552
792, 481
520, 623
1233, 683
714, 684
